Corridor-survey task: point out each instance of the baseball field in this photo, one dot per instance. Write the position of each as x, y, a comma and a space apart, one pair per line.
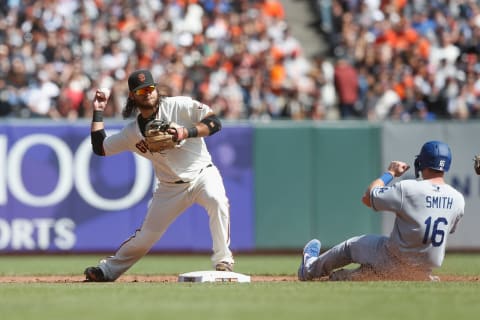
52, 287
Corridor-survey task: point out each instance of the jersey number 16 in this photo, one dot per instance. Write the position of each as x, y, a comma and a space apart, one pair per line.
437, 235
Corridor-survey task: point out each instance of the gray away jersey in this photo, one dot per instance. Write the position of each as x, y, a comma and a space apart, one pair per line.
425, 215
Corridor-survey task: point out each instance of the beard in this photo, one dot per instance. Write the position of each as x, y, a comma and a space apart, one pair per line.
148, 102
135, 103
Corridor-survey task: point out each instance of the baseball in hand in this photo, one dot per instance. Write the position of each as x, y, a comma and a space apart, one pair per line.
103, 94
106, 92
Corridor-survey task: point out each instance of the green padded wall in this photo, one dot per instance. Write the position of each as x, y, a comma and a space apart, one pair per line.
283, 158
309, 179
347, 159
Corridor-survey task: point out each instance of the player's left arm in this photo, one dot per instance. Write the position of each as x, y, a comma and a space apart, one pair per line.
208, 124
395, 169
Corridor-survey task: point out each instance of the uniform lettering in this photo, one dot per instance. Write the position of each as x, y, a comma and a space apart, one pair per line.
142, 146
433, 202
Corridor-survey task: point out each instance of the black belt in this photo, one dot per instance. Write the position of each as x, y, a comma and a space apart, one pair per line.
181, 181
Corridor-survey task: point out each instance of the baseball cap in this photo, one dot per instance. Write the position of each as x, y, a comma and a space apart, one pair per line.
140, 79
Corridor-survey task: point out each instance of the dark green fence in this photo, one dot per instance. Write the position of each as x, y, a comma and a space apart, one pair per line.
309, 180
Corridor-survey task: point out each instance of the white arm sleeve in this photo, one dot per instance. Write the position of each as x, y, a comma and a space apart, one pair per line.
115, 143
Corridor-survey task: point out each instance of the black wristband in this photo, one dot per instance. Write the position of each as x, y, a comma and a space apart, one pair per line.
97, 116
192, 132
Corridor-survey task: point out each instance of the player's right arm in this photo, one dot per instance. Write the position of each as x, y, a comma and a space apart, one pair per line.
395, 169
97, 129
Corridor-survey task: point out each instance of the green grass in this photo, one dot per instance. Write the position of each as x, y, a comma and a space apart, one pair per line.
275, 300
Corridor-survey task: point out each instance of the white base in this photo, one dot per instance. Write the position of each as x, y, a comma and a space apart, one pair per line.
213, 276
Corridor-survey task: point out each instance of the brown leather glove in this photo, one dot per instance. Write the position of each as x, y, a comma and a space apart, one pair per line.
476, 164
157, 137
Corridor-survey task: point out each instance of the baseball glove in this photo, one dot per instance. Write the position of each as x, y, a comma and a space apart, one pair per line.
157, 137
476, 164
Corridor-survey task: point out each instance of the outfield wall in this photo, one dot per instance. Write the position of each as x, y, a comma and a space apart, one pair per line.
309, 182
57, 196
287, 182
403, 141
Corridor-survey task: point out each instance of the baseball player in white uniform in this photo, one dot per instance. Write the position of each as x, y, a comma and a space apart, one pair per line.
426, 212
186, 174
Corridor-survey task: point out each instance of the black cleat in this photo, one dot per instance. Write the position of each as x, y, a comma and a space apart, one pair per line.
94, 274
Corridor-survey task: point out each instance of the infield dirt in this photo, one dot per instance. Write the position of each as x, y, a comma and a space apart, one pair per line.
174, 278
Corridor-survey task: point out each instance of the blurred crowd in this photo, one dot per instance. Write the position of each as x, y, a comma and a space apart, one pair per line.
237, 56
404, 59
394, 59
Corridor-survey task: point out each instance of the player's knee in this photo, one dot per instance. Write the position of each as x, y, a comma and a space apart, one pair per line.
351, 245
144, 238
215, 200
346, 250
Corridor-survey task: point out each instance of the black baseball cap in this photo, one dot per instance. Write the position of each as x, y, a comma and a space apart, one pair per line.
140, 79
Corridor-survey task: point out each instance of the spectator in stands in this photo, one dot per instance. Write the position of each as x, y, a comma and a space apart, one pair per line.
346, 84
196, 45
423, 46
42, 96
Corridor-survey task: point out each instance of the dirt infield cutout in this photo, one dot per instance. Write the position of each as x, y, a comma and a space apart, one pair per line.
174, 278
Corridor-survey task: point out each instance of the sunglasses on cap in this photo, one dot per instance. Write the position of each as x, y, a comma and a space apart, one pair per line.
144, 91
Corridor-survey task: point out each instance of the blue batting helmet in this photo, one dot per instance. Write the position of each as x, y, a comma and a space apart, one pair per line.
435, 155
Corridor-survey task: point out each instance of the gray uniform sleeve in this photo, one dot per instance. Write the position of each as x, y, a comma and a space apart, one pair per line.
387, 198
